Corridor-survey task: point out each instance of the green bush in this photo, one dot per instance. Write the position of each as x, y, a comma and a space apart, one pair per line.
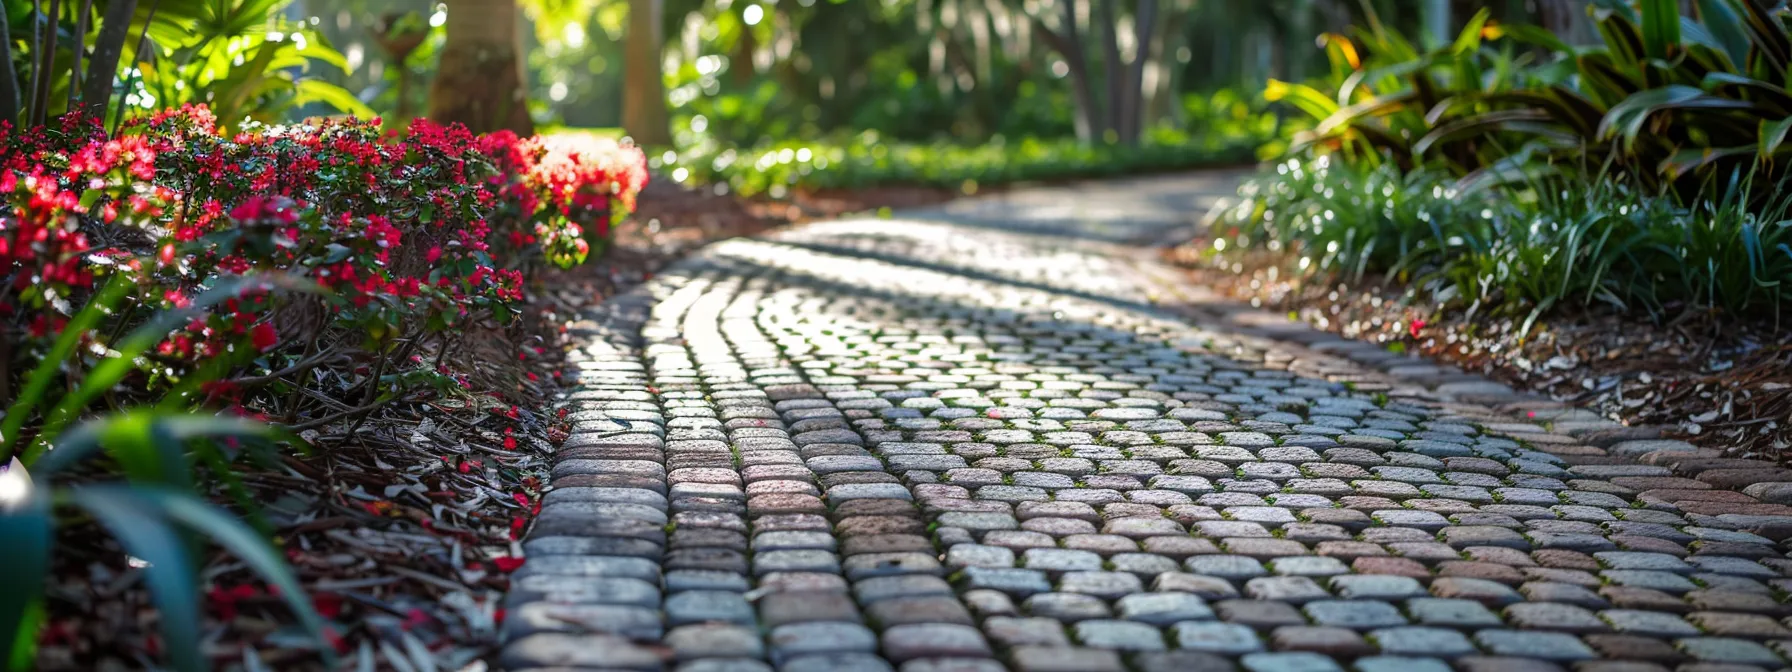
865, 161
1560, 241
1665, 101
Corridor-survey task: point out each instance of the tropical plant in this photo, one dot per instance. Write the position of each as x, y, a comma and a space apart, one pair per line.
158, 521
1388, 100
238, 56
159, 524
245, 62
169, 270
1563, 240
479, 81
1666, 100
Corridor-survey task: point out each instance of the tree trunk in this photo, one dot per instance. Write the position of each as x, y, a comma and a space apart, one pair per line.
115, 29
1111, 64
1436, 15
1160, 99
644, 114
1069, 45
9, 82
1568, 20
741, 69
479, 82
41, 78
1132, 102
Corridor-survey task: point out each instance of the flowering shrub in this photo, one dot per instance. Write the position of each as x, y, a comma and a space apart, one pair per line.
419, 238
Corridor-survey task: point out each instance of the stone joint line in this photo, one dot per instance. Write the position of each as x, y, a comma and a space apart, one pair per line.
806, 453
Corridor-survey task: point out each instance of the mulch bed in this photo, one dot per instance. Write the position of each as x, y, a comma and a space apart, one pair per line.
1718, 381
403, 525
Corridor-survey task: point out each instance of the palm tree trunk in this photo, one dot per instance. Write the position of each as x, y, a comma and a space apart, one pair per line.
479, 82
41, 78
9, 82
1069, 45
1132, 105
1110, 57
1170, 38
115, 29
644, 114
1567, 19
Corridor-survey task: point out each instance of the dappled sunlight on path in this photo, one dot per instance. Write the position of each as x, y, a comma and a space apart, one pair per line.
1001, 435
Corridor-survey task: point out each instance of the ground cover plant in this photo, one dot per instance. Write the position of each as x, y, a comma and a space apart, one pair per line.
1510, 172
204, 299
863, 161
1225, 127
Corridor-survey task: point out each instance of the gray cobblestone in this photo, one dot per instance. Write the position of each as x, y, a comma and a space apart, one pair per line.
929, 446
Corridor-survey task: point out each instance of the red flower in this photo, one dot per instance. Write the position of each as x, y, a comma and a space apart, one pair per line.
1416, 326
508, 564
263, 336
328, 605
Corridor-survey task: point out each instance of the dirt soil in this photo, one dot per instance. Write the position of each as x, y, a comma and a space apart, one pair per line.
1718, 381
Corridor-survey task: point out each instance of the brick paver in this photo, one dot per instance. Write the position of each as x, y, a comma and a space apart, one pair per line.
1007, 438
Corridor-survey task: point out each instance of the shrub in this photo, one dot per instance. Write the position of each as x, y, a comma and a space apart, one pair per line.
419, 239
1666, 101
1561, 241
173, 267
865, 161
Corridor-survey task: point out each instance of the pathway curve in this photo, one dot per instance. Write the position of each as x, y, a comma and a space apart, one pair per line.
1000, 435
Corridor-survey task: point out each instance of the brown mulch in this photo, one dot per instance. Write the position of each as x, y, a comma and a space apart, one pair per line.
1718, 381
402, 526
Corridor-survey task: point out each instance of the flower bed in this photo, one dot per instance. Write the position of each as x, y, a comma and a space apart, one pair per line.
307, 276
418, 240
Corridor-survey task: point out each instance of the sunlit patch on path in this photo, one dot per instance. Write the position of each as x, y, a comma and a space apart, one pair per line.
938, 442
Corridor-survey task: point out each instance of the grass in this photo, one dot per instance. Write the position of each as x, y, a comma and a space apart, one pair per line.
1525, 249
864, 161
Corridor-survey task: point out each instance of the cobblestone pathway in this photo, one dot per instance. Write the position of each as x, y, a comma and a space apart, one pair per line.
1006, 438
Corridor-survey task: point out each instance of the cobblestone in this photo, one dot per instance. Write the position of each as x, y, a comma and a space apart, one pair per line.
988, 437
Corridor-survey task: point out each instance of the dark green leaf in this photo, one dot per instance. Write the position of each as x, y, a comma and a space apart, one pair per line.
246, 545
130, 515
1723, 21
25, 533
1661, 27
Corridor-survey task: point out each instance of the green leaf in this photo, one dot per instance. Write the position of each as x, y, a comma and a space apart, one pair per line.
1346, 118
1306, 98
1470, 38
1536, 35
25, 533
129, 515
1768, 35
1722, 20
1693, 158
1773, 134
1478, 125
1661, 27
242, 541
37, 385
335, 252
1734, 85
315, 90
109, 372
1626, 119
